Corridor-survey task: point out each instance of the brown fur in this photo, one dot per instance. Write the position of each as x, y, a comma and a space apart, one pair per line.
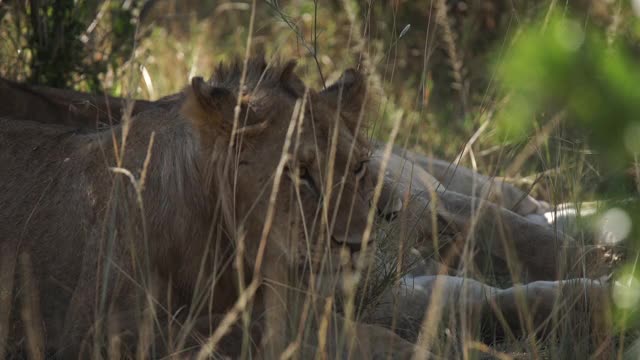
58, 106
99, 249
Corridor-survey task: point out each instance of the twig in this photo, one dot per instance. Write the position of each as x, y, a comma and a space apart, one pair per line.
311, 49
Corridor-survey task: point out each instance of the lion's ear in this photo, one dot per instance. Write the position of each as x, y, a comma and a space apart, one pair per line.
210, 110
349, 91
290, 81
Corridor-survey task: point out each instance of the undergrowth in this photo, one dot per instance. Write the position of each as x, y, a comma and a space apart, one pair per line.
462, 73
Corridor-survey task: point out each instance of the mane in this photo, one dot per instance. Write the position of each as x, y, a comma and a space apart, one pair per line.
259, 75
193, 185
188, 199
200, 183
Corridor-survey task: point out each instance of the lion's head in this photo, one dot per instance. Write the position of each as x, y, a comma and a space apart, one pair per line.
309, 141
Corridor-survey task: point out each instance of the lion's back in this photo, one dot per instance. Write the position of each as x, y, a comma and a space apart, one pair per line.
35, 159
46, 211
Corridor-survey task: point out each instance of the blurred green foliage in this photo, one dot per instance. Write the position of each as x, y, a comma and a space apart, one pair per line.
557, 66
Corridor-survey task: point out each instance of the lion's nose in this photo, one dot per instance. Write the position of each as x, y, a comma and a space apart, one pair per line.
353, 247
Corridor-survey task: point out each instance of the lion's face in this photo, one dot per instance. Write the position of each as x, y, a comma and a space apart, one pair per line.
325, 188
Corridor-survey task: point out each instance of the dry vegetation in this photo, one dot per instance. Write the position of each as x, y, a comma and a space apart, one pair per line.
434, 65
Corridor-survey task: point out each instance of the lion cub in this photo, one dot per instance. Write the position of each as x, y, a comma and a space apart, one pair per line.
158, 235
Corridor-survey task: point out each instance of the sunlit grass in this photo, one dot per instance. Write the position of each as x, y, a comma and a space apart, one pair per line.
554, 70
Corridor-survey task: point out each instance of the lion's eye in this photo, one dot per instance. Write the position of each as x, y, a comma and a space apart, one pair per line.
361, 169
303, 174
305, 178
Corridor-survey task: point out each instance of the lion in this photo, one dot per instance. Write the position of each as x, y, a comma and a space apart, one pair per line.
460, 194
190, 214
459, 218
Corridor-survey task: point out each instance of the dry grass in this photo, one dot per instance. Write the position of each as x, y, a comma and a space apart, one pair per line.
173, 47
